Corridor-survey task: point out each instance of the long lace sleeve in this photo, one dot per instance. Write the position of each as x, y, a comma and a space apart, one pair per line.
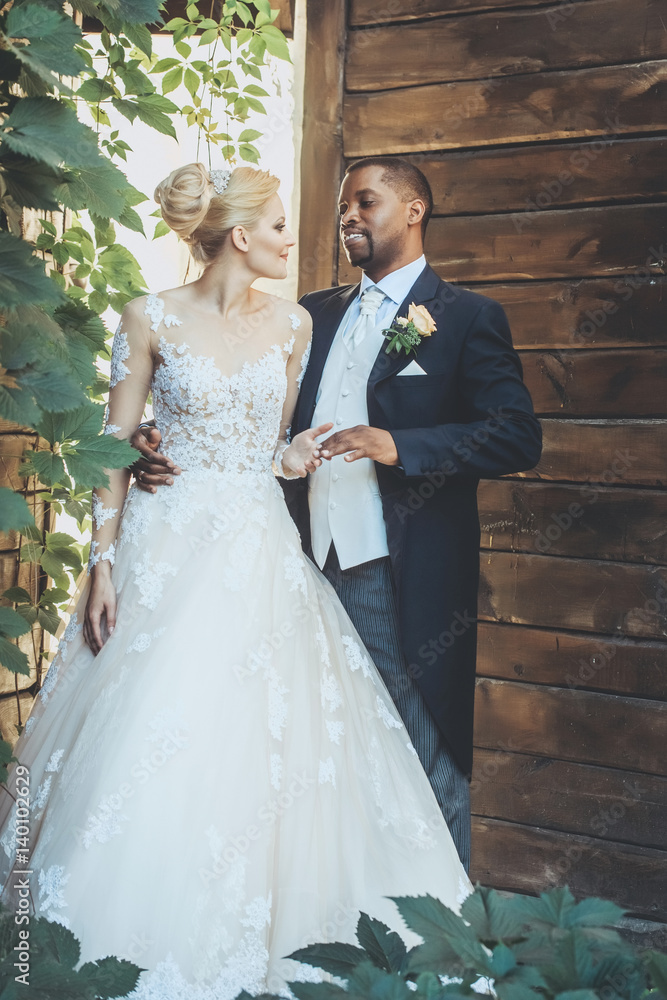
296, 369
129, 384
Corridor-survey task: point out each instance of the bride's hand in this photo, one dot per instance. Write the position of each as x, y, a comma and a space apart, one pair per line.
303, 454
101, 604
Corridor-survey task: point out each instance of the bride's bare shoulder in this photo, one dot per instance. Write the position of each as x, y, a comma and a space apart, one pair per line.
287, 313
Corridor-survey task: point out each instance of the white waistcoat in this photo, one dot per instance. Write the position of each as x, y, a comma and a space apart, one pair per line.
345, 504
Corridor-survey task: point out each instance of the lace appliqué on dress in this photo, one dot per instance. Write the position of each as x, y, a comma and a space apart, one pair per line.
51, 893
100, 513
71, 632
295, 321
120, 352
304, 364
109, 555
143, 641
149, 578
155, 310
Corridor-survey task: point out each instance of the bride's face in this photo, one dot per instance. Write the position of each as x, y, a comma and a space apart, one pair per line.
269, 242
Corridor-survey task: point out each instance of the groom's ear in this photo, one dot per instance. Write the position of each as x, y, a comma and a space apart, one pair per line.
416, 211
240, 239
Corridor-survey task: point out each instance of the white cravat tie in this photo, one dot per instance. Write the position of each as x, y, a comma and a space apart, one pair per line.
370, 302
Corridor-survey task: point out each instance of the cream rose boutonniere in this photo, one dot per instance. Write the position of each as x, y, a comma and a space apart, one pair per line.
406, 332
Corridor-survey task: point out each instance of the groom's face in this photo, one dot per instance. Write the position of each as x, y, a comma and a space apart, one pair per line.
373, 219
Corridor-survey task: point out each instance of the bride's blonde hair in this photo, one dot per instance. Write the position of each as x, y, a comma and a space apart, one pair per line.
202, 218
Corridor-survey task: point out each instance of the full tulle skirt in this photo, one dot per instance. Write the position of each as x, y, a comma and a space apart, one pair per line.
228, 780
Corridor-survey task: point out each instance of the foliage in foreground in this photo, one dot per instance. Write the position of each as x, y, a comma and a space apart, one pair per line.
514, 948
54, 953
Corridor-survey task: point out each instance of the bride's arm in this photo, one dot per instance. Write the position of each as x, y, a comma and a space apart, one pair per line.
129, 385
295, 459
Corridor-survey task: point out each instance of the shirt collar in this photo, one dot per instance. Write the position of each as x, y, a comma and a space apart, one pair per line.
397, 284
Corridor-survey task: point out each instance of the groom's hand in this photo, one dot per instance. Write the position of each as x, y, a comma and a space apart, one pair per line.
153, 469
361, 442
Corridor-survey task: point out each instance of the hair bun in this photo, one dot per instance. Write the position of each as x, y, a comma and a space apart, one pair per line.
184, 198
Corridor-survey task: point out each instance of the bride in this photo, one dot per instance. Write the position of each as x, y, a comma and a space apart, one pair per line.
218, 775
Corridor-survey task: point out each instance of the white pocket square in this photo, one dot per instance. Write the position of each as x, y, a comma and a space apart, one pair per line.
412, 369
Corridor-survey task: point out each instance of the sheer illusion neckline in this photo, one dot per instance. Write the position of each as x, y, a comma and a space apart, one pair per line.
169, 348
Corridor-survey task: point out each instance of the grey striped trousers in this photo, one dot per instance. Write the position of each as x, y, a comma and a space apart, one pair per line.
367, 594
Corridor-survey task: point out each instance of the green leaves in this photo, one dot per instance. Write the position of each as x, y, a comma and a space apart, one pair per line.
44, 40
386, 948
49, 131
22, 276
54, 955
12, 625
515, 948
14, 511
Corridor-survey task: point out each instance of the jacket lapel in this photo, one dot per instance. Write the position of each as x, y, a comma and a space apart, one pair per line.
422, 292
325, 325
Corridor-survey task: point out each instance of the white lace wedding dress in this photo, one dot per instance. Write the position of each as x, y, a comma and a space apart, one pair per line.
228, 780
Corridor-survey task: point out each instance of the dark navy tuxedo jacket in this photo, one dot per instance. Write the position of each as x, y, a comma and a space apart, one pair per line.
470, 416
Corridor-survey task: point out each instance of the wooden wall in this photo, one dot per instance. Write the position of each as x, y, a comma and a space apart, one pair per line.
542, 130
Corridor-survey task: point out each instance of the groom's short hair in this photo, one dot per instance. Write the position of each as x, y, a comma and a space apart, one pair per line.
403, 177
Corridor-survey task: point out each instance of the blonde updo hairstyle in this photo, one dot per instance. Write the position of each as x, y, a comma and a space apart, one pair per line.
202, 218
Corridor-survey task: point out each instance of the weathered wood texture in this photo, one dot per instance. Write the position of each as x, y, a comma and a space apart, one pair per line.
581, 594
623, 383
603, 452
588, 727
579, 521
506, 43
558, 795
528, 858
544, 139
566, 104
364, 12
569, 243
321, 150
572, 660
532, 178
629, 311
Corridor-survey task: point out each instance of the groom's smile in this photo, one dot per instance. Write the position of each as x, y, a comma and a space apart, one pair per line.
376, 223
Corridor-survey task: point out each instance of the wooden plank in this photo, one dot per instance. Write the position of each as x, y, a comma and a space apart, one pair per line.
559, 795
382, 11
602, 312
566, 243
27, 576
529, 860
321, 147
533, 178
626, 525
585, 595
504, 43
9, 715
579, 242
603, 452
581, 726
565, 659
621, 383
567, 104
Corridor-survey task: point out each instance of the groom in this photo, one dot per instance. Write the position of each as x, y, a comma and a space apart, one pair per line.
391, 516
